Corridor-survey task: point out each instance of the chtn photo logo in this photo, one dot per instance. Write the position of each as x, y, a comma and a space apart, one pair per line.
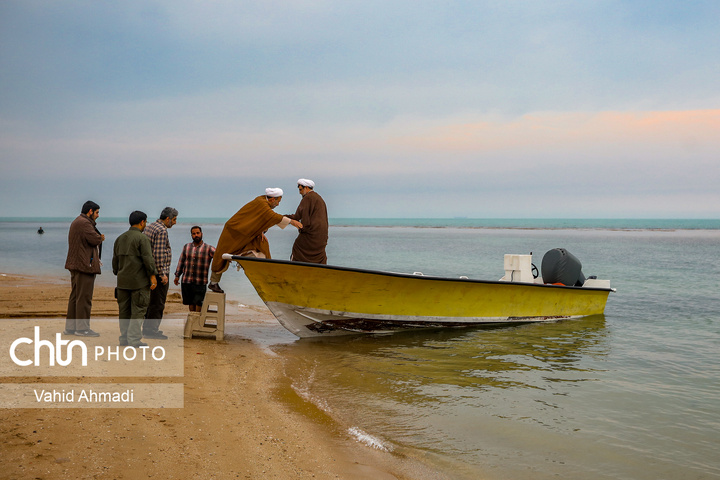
53, 352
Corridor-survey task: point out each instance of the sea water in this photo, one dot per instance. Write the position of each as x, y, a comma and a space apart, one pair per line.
632, 394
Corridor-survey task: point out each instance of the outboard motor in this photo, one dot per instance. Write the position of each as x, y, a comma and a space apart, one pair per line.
560, 266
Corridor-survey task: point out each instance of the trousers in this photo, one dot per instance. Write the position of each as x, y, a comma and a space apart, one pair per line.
216, 276
132, 306
82, 286
156, 307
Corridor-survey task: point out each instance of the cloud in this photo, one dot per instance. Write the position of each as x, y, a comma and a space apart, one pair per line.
691, 131
399, 108
427, 145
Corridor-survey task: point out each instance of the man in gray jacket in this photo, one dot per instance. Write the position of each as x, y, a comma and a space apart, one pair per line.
83, 261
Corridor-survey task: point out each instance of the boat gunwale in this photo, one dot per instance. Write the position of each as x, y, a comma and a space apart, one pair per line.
239, 258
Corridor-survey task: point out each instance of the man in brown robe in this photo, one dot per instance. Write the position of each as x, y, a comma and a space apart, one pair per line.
244, 233
313, 236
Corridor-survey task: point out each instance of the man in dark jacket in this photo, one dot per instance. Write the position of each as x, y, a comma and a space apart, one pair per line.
83, 261
134, 266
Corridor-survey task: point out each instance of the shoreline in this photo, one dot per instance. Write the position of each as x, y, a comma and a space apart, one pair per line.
485, 224
240, 419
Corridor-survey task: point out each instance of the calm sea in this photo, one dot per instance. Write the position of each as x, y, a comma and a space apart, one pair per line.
632, 394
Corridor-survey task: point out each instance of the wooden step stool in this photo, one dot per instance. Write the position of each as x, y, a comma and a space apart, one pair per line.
210, 321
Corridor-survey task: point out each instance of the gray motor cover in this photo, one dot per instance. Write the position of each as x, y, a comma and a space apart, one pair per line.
560, 266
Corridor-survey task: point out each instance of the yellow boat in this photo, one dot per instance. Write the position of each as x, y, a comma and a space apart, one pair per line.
313, 300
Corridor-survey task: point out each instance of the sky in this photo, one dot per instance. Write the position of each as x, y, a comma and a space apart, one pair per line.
478, 108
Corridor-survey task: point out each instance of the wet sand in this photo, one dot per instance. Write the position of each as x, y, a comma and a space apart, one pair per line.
237, 420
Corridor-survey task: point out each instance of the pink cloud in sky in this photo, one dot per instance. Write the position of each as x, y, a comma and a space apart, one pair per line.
552, 131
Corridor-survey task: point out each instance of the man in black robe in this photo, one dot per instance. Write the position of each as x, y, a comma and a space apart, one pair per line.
313, 236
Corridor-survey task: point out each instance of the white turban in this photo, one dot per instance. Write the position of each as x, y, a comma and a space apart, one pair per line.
306, 183
273, 192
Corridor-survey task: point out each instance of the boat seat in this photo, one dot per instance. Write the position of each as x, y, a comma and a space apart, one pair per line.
210, 321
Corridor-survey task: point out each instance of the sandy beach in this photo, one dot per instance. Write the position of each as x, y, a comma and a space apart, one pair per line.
240, 419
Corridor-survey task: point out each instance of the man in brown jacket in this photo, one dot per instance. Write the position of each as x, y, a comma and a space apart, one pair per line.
83, 261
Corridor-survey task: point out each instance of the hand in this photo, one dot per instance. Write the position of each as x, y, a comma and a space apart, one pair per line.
153, 282
296, 224
164, 279
176, 281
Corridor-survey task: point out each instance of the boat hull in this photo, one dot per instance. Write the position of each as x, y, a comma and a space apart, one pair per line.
320, 300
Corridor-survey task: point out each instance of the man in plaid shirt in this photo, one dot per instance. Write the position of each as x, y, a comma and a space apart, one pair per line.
158, 235
193, 267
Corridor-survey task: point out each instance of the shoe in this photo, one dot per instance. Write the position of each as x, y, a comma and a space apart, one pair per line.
69, 332
156, 336
86, 333
141, 344
214, 287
